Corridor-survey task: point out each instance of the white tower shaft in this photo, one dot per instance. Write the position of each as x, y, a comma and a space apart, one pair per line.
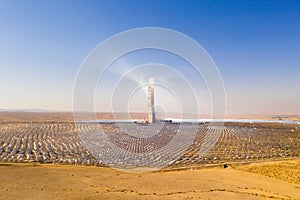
151, 112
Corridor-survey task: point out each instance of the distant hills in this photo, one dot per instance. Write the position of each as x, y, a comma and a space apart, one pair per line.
42, 115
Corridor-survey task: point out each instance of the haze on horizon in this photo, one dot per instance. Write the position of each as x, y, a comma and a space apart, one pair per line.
255, 45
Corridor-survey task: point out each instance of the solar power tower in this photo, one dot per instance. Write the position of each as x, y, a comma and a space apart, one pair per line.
151, 111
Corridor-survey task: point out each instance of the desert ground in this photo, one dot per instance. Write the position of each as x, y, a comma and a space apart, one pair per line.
265, 180
42, 157
44, 116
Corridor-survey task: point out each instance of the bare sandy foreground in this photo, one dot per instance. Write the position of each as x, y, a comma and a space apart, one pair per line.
268, 180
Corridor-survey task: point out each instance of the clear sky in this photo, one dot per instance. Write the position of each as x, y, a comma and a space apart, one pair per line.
255, 44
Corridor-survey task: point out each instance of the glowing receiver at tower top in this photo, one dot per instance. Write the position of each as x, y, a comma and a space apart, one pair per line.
151, 111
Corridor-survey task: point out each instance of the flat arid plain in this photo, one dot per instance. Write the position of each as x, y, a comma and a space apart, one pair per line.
42, 157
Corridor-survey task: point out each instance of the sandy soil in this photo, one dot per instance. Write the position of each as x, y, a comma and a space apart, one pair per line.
59, 116
26, 181
15, 116
286, 170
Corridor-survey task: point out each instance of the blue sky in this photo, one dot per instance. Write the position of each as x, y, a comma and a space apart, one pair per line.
255, 45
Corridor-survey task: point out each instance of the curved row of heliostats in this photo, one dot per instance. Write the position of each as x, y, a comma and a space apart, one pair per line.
60, 143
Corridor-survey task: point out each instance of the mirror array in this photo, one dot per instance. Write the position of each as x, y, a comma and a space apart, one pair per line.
61, 143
